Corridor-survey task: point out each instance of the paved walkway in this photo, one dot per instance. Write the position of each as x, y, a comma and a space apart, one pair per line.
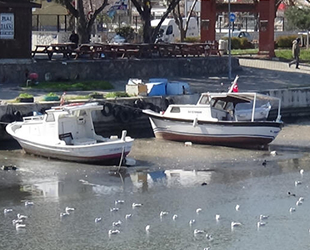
256, 75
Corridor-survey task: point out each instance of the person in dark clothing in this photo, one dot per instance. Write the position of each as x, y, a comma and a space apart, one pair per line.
295, 53
74, 38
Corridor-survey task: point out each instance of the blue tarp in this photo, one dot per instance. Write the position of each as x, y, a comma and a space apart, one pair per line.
156, 88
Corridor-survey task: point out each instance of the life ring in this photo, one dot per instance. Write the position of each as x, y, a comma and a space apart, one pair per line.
107, 109
125, 115
149, 105
139, 103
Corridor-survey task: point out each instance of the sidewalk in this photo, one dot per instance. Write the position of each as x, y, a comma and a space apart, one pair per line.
256, 75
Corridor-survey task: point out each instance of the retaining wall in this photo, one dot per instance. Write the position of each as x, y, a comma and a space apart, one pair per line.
14, 71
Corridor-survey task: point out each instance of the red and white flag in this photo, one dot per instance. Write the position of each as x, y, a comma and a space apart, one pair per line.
234, 86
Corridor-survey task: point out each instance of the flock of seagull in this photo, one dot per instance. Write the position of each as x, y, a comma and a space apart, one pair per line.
19, 221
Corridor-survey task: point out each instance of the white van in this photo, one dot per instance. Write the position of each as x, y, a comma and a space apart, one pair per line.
169, 31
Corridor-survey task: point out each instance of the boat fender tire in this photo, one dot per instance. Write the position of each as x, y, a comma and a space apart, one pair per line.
139, 103
18, 116
116, 110
125, 115
156, 109
42, 110
107, 109
167, 102
137, 113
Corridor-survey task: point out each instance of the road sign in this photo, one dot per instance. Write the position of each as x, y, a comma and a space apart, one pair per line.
232, 17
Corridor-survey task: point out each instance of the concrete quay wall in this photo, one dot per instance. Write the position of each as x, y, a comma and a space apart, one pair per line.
102, 69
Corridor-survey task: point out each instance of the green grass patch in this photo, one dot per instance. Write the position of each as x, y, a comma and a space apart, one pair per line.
286, 54
67, 86
238, 52
116, 94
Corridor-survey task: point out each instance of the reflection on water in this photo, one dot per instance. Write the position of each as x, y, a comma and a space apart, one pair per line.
168, 177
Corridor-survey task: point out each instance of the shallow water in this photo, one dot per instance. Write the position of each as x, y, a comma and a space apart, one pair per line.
167, 177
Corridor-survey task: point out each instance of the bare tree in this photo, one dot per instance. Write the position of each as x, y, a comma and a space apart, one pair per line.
178, 17
144, 9
85, 20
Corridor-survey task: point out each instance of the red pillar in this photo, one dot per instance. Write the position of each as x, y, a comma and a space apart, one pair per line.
266, 10
208, 19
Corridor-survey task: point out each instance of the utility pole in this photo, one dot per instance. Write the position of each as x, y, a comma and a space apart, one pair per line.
229, 42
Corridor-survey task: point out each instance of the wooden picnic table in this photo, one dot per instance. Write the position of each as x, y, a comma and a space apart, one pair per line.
63, 48
42, 49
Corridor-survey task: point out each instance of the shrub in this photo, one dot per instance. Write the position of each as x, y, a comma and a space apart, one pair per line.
127, 32
192, 40
245, 44
25, 95
285, 41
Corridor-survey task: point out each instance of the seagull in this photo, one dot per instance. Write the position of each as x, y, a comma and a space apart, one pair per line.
163, 213
273, 153
7, 210
116, 223
235, 224
301, 199
198, 231
20, 226
136, 205
261, 224
198, 210
175, 216
98, 219
147, 228
291, 194
237, 207
114, 232
298, 203
263, 217
17, 221
64, 214
21, 217
301, 171
127, 216
297, 183
209, 237
217, 217
29, 203
114, 209
191, 222
119, 202
292, 209
69, 209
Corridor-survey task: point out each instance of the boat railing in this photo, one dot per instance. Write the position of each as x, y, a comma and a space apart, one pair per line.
33, 118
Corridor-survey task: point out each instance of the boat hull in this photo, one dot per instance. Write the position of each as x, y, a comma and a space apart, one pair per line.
100, 152
236, 134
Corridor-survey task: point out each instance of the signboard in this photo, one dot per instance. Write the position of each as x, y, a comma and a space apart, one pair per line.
232, 17
6, 26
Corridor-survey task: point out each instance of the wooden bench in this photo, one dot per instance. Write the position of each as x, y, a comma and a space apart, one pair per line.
43, 49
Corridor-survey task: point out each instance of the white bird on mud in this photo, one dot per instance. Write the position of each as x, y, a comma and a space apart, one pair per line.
297, 183
116, 223
69, 209
20, 226
263, 217
119, 202
191, 222
7, 210
175, 216
292, 209
235, 224
217, 217
127, 216
198, 210
301, 171
163, 213
198, 231
261, 224
114, 232
17, 221
64, 214
134, 205
29, 203
237, 207
273, 153
114, 209
147, 228
298, 203
98, 219
21, 217
301, 199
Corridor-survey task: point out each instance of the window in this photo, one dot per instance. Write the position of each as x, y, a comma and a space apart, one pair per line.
50, 118
175, 110
169, 30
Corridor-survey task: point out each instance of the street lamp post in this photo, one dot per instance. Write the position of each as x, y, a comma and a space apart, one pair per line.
229, 42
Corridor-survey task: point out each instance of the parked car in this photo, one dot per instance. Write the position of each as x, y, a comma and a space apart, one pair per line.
117, 39
239, 34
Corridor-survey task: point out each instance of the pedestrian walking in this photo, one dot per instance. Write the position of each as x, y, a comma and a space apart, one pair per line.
295, 53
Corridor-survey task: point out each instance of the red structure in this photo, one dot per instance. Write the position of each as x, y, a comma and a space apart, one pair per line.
265, 9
